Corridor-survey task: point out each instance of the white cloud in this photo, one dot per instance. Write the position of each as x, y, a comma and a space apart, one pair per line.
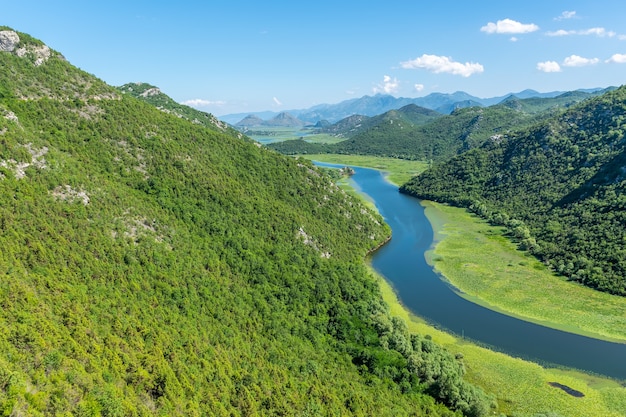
439, 64
566, 15
277, 101
509, 26
617, 58
579, 61
549, 66
514, 39
389, 85
561, 32
599, 32
198, 102
419, 87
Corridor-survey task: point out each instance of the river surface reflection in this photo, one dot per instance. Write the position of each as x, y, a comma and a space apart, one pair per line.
422, 291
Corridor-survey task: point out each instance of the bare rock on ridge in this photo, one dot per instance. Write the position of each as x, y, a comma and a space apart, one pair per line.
8, 40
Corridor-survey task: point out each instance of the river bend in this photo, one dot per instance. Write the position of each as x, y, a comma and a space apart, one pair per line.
402, 262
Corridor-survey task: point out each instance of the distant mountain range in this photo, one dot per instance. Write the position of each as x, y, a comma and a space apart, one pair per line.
283, 119
414, 132
380, 103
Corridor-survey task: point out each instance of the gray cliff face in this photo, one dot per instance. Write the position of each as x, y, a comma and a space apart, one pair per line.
9, 41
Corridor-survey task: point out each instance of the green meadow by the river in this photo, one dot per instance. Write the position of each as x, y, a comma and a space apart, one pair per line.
398, 171
503, 278
488, 269
521, 388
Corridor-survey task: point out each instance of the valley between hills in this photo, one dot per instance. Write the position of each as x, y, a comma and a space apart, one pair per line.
159, 261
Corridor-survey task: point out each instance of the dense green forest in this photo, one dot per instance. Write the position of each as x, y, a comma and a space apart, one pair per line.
151, 265
153, 95
412, 133
557, 185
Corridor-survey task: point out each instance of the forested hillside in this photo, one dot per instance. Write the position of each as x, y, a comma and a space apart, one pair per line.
155, 266
558, 185
153, 95
401, 134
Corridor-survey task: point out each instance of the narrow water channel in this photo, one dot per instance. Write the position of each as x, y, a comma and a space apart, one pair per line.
421, 290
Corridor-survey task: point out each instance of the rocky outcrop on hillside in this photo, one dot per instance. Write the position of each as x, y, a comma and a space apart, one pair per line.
10, 40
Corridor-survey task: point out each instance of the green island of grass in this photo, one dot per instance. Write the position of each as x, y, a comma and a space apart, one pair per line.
503, 278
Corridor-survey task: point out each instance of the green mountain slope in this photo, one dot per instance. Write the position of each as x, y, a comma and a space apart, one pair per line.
558, 185
347, 127
399, 134
376, 135
151, 265
438, 139
536, 105
163, 102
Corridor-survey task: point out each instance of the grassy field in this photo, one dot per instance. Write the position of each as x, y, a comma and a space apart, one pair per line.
398, 171
271, 134
521, 388
500, 277
323, 138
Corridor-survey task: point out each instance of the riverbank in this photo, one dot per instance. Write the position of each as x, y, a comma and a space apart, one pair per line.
489, 270
522, 388
397, 171
498, 276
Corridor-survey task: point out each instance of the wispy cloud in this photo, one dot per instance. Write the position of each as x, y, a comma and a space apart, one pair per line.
508, 26
570, 61
617, 59
439, 64
277, 101
579, 61
419, 87
566, 15
549, 66
198, 102
389, 85
599, 32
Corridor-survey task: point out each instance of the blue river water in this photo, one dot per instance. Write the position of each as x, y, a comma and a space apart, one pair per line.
422, 291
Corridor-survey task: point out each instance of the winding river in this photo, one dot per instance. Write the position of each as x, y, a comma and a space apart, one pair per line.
422, 291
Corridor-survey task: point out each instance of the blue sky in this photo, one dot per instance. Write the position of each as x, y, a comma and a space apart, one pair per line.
232, 56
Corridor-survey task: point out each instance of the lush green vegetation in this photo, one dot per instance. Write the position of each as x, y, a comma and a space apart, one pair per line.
439, 139
270, 134
398, 171
537, 105
522, 388
163, 102
557, 186
504, 278
155, 266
